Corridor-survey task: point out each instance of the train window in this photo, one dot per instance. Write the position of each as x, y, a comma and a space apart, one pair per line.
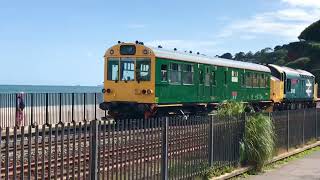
187, 77
143, 69
266, 81
213, 75
261, 81
127, 69
113, 69
288, 85
175, 73
164, 72
225, 78
255, 80
207, 77
200, 76
248, 80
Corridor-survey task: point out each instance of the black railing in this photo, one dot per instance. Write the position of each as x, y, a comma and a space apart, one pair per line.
160, 148
49, 108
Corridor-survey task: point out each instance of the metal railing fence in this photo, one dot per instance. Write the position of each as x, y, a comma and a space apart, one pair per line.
160, 148
49, 108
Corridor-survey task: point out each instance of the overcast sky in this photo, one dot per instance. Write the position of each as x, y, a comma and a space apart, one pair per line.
63, 42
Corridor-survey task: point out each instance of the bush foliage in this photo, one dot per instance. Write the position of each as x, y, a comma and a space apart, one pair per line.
259, 140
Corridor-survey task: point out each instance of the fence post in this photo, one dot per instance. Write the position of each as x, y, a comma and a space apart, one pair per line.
164, 159
288, 130
316, 124
303, 122
93, 170
47, 110
210, 141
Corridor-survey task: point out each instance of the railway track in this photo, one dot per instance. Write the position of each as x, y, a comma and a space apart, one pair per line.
64, 154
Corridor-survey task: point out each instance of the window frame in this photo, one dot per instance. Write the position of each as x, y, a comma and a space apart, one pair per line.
178, 71
184, 71
108, 69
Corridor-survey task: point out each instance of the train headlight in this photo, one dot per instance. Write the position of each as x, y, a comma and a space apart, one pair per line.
111, 51
145, 51
144, 91
108, 91
149, 91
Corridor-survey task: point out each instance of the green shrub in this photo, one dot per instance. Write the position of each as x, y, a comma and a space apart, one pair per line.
230, 108
258, 143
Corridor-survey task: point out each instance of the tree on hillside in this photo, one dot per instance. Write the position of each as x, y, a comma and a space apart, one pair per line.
240, 56
311, 33
226, 56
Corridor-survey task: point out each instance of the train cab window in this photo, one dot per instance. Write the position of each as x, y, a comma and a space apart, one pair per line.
127, 69
113, 69
143, 69
164, 72
175, 73
187, 77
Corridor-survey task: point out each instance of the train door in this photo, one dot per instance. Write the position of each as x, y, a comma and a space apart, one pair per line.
201, 81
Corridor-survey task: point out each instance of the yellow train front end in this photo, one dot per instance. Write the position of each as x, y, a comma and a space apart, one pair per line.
129, 80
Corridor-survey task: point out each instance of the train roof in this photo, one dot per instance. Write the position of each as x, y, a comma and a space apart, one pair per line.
189, 57
292, 72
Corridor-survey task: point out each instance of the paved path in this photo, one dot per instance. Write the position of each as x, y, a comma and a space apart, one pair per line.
304, 169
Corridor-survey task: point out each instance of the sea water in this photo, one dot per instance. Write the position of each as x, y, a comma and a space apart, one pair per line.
49, 89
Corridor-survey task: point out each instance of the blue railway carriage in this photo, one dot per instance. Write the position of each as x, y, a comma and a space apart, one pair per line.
299, 86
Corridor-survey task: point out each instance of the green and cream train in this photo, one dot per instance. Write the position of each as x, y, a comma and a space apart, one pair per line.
141, 81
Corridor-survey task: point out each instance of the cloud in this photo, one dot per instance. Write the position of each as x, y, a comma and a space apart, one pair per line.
286, 23
303, 3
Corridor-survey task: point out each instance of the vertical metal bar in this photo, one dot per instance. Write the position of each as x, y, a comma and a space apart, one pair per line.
47, 112
22, 153
0, 149
49, 150
138, 147
36, 137
68, 152
15, 152
56, 152
29, 151
99, 147
43, 151
84, 106
316, 124
62, 153
93, 150
288, 130
210, 141
32, 120
79, 150
303, 124
74, 151
104, 150
164, 159
72, 107
85, 150
109, 151
60, 108
95, 106
16, 113
7, 153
